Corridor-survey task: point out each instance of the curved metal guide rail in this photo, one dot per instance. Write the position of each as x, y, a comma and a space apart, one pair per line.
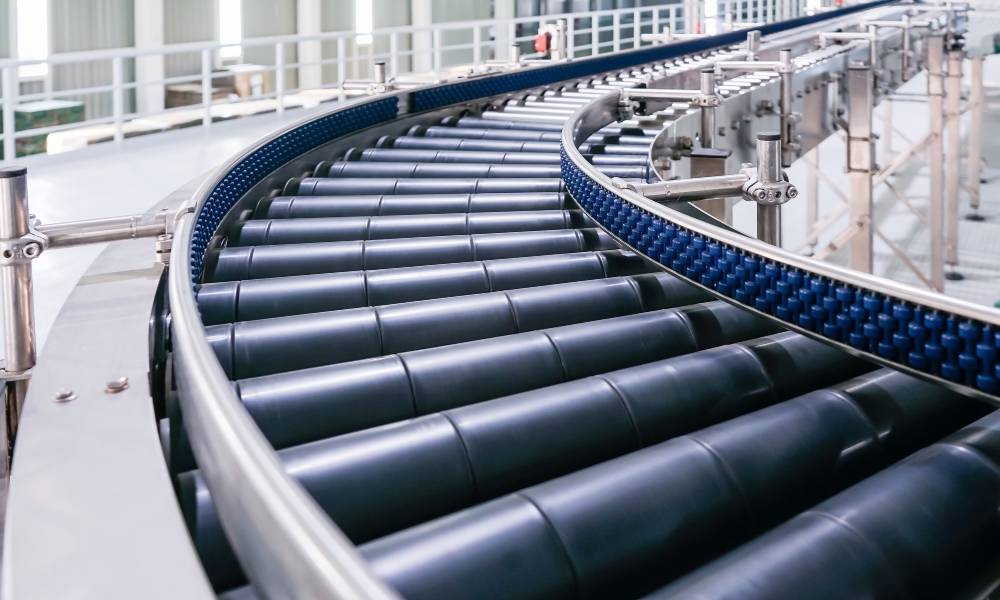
426, 339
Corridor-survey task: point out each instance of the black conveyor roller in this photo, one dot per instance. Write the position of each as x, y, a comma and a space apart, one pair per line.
303, 207
226, 302
632, 522
341, 229
318, 186
230, 264
520, 440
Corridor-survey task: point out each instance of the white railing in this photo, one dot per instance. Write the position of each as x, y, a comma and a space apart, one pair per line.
130, 97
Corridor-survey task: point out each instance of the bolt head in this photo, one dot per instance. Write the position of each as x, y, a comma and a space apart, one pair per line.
761, 195
64, 395
792, 191
33, 249
116, 385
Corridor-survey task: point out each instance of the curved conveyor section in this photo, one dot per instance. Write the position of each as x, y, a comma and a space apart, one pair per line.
491, 396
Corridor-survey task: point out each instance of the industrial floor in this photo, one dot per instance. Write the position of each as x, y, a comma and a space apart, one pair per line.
107, 180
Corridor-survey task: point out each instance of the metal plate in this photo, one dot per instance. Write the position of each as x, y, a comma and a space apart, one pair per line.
91, 511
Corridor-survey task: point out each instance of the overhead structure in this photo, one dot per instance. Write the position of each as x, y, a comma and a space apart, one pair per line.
480, 339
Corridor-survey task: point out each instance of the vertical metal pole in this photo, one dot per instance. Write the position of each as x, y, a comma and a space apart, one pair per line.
673, 18
378, 73
656, 21
636, 29
753, 44
394, 54
907, 58
206, 86
935, 155
512, 33
15, 297
341, 61
571, 38
515, 54
595, 36
769, 171
953, 161
860, 165
616, 38
10, 93
787, 134
707, 112
118, 97
887, 128
436, 52
975, 159
812, 201
279, 76
559, 43
477, 43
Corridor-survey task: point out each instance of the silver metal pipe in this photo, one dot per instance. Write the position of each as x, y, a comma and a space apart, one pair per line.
785, 108
686, 190
953, 159
559, 48
753, 44
769, 170
16, 302
935, 156
515, 53
707, 112
860, 165
747, 65
660, 94
111, 229
378, 72
15, 272
769, 223
975, 160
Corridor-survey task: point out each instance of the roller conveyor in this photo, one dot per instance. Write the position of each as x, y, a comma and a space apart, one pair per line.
497, 379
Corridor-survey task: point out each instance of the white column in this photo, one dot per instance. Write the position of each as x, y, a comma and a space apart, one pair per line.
149, 94
308, 15
420, 16
503, 10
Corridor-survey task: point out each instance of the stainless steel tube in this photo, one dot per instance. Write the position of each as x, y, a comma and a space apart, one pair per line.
953, 151
787, 135
698, 188
17, 304
753, 44
707, 112
379, 72
935, 155
103, 230
15, 274
769, 171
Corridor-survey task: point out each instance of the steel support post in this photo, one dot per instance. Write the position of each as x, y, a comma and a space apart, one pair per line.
860, 165
975, 143
788, 141
707, 112
753, 44
15, 296
812, 201
769, 171
953, 161
935, 155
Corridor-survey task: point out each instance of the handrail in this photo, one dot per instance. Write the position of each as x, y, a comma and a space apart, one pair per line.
191, 47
